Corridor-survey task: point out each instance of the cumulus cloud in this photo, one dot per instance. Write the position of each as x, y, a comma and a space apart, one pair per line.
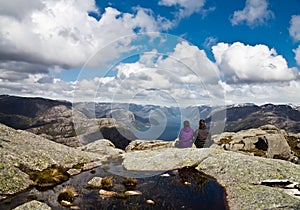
262, 93
240, 63
297, 55
295, 27
62, 33
255, 13
186, 7
185, 76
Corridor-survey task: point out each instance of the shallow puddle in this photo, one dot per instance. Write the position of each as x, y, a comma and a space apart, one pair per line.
180, 189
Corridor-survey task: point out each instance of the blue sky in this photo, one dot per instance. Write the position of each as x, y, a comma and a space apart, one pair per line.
211, 51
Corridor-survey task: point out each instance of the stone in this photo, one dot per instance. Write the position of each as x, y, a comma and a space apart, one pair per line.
107, 193
73, 171
74, 207
65, 203
91, 165
148, 145
266, 141
33, 205
103, 147
95, 182
164, 159
150, 202
298, 146
132, 192
277, 146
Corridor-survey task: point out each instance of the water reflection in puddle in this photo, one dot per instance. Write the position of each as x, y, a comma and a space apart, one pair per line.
183, 189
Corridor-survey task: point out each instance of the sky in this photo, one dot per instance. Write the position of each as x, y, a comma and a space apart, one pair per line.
166, 52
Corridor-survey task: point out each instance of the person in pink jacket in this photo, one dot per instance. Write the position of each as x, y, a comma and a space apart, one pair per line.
185, 136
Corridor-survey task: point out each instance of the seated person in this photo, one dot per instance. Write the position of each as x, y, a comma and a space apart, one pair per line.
185, 136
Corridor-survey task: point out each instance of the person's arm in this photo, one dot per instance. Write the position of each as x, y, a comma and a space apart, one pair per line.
195, 135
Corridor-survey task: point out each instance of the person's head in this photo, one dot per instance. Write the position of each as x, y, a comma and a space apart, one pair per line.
202, 123
186, 124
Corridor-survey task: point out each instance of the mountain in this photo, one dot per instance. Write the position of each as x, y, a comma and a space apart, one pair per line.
252, 116
54, 119
24, 113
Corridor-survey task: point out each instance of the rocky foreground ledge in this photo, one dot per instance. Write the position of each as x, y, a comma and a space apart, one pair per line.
23, 152
245, 178
250, 182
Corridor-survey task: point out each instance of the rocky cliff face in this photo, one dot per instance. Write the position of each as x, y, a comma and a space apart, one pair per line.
53, 120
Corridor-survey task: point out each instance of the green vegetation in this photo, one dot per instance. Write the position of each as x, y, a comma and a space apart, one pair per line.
49, 177
130, 183
107, 183
67, 194
78, 166
120, 195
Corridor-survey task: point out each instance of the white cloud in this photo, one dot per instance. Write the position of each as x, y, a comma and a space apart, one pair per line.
209, 42
244, 63
255, 13
186, 7
297, 55
262, 93
295, 27
62, 33
185, 76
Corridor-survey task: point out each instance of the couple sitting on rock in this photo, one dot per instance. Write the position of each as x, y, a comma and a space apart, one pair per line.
187, 136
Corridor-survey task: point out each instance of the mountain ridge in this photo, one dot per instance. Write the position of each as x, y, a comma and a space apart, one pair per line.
41, 114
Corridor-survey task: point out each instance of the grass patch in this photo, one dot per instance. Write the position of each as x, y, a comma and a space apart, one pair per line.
107, 183
120, 195
78, 166
49, 177
130, 183
67, 194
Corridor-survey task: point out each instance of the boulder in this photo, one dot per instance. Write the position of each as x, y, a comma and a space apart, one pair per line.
103, 147
95, 182
33, 205
164, 159
266, 141
120, 136
148, 145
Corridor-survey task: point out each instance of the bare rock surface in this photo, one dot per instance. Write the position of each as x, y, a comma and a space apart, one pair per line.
24, 150
164, 159
103, 147
33, 205
266, 141
137, 145
241, 175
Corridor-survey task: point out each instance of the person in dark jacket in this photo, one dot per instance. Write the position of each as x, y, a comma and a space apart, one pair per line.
185, 136
201, 134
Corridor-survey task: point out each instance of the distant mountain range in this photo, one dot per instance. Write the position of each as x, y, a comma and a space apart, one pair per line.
39, 115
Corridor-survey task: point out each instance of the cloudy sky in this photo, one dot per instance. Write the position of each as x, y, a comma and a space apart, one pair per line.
156, 52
